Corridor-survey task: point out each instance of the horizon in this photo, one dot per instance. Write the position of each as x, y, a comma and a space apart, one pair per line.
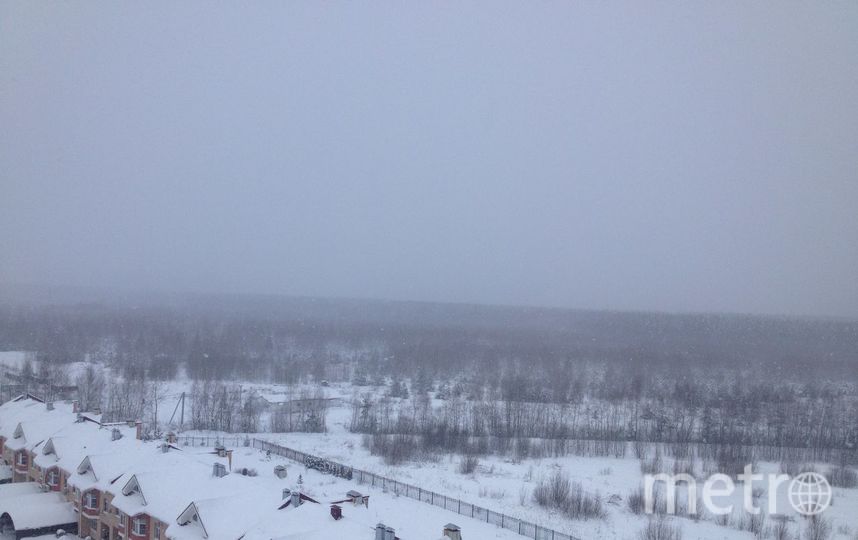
96, 296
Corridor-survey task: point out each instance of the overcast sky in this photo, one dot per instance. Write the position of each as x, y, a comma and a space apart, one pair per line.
675, 156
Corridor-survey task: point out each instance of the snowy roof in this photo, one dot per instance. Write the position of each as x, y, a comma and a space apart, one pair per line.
12, 413
224, 517
38, 510
17, 489
27, 423
164, 484
103, 469
311, 522
68, 446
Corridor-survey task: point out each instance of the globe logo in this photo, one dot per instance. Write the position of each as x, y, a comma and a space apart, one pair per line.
809, 493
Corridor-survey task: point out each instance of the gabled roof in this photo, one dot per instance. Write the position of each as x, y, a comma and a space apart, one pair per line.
104, 469
35, 423
163, 485
68, 446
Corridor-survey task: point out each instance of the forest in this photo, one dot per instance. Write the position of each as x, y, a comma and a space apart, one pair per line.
502, 374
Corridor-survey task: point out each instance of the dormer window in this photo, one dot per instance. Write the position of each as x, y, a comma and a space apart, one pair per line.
139, 526
90, 500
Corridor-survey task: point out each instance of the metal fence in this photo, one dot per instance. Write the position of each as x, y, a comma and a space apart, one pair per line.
213, 440
524, 528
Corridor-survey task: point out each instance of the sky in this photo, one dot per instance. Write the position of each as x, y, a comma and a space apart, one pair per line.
668, 156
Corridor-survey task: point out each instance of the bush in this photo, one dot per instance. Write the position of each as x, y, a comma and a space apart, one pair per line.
685, 466
395, 449
468, 465
637, 501
560, 493
817, 528
653, 465
780, 529
660, 528
795, 468
843, 476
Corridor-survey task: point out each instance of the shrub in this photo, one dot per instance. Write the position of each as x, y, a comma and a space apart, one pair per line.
843, 476
780, 529
637, 501
468, 464
560, 493
653, 465
795, 468
817, 528
394, 449
660, 528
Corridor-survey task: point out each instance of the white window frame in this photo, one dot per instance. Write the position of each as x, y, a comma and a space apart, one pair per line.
21, 458
139, 526
88, 497
52, 478
157, 530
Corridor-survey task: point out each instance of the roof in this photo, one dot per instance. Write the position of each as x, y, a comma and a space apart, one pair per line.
33, 422
102, 470
68, 446
38, 510
310, 522
166, 482
17, 489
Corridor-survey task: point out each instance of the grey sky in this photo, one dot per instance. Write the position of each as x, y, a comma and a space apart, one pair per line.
669, 156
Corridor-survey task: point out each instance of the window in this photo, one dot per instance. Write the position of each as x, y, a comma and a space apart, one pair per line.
90, 500
158, 530
139, 526
53, 477
21, 458
105, 506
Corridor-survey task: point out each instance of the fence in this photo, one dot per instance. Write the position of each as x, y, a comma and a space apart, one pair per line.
213, 440
524, 528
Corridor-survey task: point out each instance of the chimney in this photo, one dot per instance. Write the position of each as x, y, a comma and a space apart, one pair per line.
165, 448
389, 533
50, 405
218, 470
336, 511
287, 493
379, 531
296, 499
115, 435
280, 471
139, 425
452, 531
171, 438
75, 406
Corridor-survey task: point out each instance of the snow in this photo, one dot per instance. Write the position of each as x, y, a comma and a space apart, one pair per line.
171, 482
38, 510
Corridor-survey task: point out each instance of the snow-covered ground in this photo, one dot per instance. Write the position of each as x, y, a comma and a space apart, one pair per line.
501, 484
